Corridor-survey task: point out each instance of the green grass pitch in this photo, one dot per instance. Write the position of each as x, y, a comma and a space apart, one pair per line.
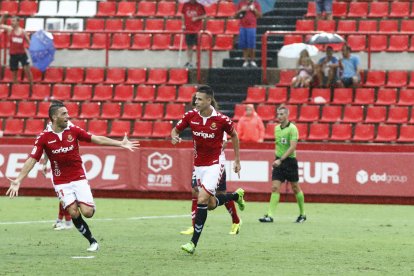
141, 237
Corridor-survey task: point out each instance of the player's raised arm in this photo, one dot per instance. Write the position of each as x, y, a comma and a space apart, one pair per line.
175, 138
125, 143
236, 148
15, 184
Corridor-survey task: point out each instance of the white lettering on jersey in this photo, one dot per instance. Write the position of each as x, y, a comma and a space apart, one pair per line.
50, 142
34, 150
63, 150
204, 134
17, 39
195, 123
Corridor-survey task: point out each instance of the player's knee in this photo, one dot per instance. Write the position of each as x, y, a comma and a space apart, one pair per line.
88, 212
74, 212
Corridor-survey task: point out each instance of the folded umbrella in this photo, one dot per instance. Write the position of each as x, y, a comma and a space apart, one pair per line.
42, 50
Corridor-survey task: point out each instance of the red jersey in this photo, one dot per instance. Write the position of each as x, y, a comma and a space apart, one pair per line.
62, 149
16, 43
189, 11
249, 20
207, 135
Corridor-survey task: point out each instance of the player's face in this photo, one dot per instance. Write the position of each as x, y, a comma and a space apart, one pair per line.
14, 22
282, 116
202, 101
62, 118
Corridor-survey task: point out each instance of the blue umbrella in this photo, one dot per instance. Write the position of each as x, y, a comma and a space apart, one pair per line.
42, 50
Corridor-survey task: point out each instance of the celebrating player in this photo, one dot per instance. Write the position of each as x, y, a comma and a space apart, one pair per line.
285, 167
208, 127
221, 189
60, 141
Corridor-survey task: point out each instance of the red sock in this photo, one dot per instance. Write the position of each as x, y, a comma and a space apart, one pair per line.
232, 211
61, 211
193, 209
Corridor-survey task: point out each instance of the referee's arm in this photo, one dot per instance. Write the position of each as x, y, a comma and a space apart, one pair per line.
290, 150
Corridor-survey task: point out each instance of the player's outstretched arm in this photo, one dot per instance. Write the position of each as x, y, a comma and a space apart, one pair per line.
125, 143
15, 184
236, 148
175, 138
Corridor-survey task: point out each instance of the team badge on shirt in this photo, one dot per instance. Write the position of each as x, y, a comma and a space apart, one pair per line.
213, 126
70, 138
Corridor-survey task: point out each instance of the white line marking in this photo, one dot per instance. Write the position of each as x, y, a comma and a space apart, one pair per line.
98, 219
83, 257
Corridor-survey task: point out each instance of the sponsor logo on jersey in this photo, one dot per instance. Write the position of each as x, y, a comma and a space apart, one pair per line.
195, 123
51, 142
204, 134
70, 138
63, 150
213, 126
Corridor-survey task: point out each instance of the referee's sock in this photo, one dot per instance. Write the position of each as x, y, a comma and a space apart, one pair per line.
200, 219
83, 228
274, 200
300, 198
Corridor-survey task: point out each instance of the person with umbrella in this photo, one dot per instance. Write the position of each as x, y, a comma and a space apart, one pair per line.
305, 71
17, 51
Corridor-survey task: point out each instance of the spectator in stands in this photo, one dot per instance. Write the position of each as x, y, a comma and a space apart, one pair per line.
250, 127
305, 71
17, 50
326, 69
323, 9
193, 15
248, 12
349, 67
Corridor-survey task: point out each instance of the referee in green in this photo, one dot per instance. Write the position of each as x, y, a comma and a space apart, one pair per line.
285, 167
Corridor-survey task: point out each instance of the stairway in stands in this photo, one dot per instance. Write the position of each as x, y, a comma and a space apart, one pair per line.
282, 18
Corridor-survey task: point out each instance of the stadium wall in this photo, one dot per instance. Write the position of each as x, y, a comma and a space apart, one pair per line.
358, 173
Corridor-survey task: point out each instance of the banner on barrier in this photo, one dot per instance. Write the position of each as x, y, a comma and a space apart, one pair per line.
169, 169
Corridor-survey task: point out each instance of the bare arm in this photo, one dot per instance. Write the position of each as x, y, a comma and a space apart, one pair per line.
125, 143
236, 148
175, 138
26, 36
2, 25
15, 184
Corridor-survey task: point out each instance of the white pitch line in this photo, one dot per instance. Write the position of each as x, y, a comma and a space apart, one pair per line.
83, 257
97, 219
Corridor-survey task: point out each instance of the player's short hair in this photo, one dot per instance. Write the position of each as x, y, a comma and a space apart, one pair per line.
55, 105
15, 17
284, 108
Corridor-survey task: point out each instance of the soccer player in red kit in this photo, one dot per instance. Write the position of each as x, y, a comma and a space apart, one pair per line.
60, 141
208, 127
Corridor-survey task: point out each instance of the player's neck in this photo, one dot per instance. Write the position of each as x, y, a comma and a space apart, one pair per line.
206, 112
56, 128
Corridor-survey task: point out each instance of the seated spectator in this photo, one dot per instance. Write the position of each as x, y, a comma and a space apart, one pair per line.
305, 71
326, 69
250, 127
349, 67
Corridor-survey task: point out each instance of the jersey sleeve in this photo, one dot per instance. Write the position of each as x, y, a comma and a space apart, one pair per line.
82, 134
294, 134
228, 125
37, 151
184, 122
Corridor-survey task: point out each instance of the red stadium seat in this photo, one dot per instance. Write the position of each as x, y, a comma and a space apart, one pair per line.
378, 43
386, 96
166, 8
126, 8
166, 93
293, 112
7, 77
157, 76
331, 114
368, 26
40, 92
111, 110
239, 110
146, 8
341, 132
270, 130
346, 26
26, 109
318, 132
376, 114
223, 42
82, 92
132, 111
115, 75
357, 42
134, 24
226, 9
90, 110
321, 94
411, 83
121, 41
178, 76
124, 93
363, 133
397, 79
136, 76
145, 93
43, 110
114, 25
215, 26
120, 128
61, 40
255, 94
353, 114
386, 133
305, 25
34, 127
311, 10
399, 9
406, 97
375, 79
406, 133
174, 111
98, 127
290, 39
407, 25
309, 113
94, 75
28, 8
142, 129
99, 41
80, 41
19, 91
378, 9
161, 42
61, 92
11, 7
173, 25
141, 42
106, 9
95, 24
266, 112
232, 26
73, 109
303, 131
37, 75
211, 11
14, 127
53, 74
388, 26
285, 78
185, 93
154, 24
339, 9
364, 96
103, 93
4, 90
358, 9
397, 115
74, 75
326, 26
277, 95
162, 129
342, 96
398, 43
153, 111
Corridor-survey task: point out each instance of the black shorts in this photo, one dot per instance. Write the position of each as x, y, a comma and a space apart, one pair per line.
347, 82
287, 171
15, 59
222, 186
191, 39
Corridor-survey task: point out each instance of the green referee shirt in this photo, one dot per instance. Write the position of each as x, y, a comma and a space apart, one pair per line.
283, 137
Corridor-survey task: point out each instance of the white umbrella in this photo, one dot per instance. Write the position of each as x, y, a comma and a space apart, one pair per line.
202, 2
326, 38
293, 50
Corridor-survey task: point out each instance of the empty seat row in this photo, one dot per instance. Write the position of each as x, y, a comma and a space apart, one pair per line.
365, 9
348, 132
99, 92
361, 96
332, 113
91, 110
92, 75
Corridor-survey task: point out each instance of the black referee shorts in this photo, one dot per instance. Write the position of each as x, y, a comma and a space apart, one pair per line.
287, 171
15, 59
